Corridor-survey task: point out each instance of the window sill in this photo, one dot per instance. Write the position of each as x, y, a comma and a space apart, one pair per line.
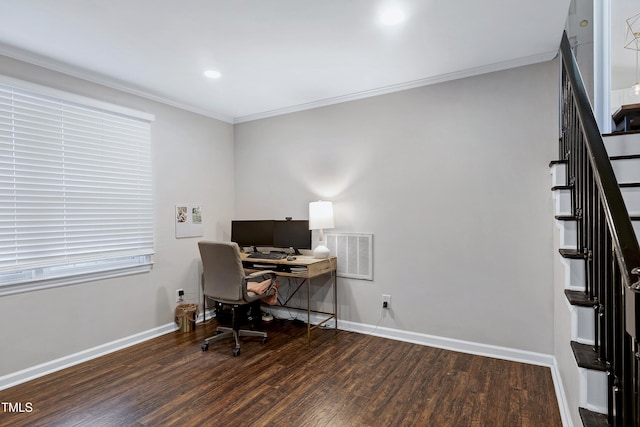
37, 285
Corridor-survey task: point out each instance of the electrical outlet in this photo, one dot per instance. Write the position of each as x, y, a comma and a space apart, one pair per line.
179, 294
386, 301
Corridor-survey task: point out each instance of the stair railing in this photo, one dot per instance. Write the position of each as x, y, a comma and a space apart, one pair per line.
607, 242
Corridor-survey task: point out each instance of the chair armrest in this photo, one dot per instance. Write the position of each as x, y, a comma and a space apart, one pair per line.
259, 276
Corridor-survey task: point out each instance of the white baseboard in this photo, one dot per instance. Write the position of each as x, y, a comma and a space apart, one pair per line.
469, 347
43, 369
424, 339
563, 404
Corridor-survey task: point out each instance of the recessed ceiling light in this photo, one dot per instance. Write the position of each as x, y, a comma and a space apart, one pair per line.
213, 74
391, 16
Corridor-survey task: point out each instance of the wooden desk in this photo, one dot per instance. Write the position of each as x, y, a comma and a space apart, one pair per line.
305, 268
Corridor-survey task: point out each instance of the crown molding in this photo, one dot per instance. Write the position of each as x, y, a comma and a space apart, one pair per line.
92, 77
87, 75
441, 78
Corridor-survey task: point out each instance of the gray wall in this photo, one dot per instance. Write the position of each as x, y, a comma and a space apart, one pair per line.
192, 163
452, 180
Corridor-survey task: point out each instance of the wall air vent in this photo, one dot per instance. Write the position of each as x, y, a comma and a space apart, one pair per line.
354, 252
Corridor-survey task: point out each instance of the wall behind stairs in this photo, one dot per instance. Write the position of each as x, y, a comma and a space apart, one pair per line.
453, 181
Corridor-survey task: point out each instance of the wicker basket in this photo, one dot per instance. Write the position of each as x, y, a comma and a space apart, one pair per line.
186, 315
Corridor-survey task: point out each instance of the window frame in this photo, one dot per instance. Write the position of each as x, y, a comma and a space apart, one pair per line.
90, 268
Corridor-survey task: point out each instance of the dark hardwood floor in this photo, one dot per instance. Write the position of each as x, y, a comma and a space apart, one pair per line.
343, 379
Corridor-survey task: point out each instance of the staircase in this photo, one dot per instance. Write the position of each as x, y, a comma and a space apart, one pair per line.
596, 188
624, 154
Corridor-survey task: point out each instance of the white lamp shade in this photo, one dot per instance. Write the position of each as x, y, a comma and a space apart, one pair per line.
320, 215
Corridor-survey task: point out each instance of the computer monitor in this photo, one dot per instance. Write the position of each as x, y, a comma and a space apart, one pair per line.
292, 234
252, 232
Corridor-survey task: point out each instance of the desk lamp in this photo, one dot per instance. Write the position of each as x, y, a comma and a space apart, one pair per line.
320, 218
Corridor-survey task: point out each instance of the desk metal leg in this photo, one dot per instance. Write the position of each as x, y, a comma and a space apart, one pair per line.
309, 312
335, 300
333, 315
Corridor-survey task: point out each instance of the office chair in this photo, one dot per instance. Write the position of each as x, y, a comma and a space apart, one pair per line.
224, 281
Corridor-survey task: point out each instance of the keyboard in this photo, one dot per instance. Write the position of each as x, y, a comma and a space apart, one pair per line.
263, 255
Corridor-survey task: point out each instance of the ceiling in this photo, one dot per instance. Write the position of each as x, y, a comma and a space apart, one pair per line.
276, 56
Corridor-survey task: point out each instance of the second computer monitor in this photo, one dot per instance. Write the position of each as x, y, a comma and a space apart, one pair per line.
292, 234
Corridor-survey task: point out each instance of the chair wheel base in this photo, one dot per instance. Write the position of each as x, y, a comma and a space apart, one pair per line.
236, 351
205, 347
263, 340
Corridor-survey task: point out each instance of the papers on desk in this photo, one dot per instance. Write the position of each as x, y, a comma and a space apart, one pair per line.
300, 270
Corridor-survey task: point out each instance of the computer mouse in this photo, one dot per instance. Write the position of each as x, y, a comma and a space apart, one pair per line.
291, 258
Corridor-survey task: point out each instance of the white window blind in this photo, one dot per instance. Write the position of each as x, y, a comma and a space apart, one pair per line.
75, 191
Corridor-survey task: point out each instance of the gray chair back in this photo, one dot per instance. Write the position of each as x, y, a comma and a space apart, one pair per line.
222, 271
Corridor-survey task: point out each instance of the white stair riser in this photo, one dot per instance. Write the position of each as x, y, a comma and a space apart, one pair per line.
594, 390
631, 198
558, 175
574, 274
585, 325
622, 145
626, 170
568, 234
562, 202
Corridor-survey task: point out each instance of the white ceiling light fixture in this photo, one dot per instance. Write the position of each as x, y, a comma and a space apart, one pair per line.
391, 15
212, 74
